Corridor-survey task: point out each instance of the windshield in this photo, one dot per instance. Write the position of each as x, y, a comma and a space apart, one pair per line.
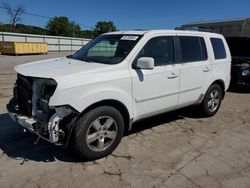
239, 46
108, 49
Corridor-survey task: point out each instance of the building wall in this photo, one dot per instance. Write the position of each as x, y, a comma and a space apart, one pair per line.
228, 28
55, 43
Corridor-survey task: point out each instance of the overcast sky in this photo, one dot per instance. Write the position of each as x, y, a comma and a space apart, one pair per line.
128, 14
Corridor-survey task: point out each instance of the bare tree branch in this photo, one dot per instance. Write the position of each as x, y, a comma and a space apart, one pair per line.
15, 14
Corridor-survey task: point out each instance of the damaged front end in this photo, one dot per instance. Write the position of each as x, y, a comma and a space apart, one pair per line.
30, 108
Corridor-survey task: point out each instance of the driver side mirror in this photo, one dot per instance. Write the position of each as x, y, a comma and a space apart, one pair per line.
145, 63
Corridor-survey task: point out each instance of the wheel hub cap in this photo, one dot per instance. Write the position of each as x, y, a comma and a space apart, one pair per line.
101, 133
213, 101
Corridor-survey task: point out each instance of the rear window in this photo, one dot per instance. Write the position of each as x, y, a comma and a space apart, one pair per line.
192, 48
218, 48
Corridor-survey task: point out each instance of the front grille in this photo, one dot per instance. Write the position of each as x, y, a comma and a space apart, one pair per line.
23, 95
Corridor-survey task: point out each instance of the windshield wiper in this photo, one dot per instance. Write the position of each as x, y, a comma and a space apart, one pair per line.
81, 59
69, 56
87, 60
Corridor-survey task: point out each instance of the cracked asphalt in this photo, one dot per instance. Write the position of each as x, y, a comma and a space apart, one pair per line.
176, 149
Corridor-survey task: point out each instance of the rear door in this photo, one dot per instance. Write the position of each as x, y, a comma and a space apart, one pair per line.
196, 68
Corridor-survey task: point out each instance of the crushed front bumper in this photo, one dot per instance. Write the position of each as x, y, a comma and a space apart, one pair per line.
53, 131
27, 122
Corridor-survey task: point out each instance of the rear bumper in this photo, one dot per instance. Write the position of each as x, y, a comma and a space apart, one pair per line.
242, 83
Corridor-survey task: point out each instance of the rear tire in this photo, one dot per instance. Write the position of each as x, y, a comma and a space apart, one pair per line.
212, 101
98, 132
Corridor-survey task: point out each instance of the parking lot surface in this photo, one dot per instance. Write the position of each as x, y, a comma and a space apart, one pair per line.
176, 149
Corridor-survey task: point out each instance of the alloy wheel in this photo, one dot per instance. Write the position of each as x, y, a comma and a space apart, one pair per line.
101, 133
214, 100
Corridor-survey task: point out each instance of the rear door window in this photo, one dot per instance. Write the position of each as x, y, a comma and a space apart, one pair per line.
218, 48
192, 49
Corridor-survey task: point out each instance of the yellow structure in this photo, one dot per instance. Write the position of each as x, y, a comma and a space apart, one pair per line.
17, 48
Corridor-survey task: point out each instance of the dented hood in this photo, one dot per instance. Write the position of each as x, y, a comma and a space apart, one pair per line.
59, 67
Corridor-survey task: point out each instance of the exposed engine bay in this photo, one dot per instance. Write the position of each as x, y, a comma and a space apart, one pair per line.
30, 107
240, 72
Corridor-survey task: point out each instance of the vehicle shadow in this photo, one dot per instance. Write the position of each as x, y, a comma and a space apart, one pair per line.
148, 123
19, 145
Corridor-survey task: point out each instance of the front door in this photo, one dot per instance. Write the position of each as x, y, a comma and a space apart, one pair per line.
156, 90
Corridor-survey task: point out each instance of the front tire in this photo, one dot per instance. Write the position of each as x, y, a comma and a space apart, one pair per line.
212, 101
98, 132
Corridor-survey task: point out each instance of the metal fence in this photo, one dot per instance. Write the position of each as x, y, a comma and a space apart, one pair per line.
55, 43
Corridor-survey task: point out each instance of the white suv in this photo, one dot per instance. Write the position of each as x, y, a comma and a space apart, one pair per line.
95, 95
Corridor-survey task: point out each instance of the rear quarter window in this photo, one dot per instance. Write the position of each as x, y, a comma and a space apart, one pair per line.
218, 48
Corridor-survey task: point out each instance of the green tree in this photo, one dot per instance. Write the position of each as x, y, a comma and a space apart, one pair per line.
104, 27
75, 29
21, 28
89, 34
61, 26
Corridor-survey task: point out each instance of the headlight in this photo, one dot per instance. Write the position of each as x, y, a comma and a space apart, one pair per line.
245, 72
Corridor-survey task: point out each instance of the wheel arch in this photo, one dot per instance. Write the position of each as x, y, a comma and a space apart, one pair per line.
113, 103
221, 83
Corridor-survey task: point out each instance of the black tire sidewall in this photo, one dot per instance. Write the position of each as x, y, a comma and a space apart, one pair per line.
205, 108
82, 125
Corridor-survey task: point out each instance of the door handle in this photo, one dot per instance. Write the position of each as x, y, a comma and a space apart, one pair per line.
206, 69
172, 76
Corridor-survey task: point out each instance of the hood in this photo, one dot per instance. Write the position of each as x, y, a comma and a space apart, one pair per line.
59, 67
